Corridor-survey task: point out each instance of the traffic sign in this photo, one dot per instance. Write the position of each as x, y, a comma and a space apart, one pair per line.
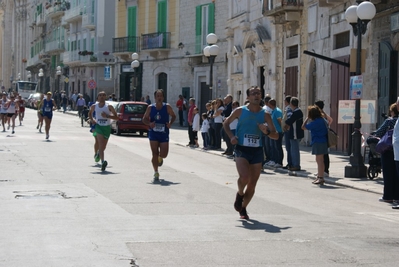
91, 84
66, 80
346, 111
356, 87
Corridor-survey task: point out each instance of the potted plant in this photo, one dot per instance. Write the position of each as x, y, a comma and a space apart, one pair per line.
106, 53
24, 60
90, 53
93, 59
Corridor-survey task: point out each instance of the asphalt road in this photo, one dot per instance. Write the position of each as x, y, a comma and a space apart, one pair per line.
58, 209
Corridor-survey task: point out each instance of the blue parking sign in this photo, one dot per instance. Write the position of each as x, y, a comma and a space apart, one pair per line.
107, 73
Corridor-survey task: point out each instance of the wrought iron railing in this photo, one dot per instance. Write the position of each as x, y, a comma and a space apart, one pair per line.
156, 40
125, 44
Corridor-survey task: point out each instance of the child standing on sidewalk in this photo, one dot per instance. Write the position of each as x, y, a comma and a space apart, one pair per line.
204, 131
196, 126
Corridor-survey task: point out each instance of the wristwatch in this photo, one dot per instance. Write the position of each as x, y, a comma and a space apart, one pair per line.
268, 132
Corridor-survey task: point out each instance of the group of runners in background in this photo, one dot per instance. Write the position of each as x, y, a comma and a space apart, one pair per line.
11, 107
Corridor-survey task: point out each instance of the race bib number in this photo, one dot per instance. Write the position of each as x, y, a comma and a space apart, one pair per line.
159, 127
47, 109
102, 122
251, 140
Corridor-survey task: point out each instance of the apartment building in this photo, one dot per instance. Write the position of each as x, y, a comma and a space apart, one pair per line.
15, 41
169, 37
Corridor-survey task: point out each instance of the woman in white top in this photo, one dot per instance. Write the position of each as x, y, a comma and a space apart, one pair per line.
218, 122
196, 125
12, 107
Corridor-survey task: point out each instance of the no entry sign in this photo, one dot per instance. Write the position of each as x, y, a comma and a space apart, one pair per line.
91, 84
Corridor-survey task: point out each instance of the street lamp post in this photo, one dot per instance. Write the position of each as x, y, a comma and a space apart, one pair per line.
134, 65
358, 17
29, 75
211, 51
58, 78
41, 74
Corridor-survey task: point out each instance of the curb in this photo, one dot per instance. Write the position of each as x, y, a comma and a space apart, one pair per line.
328, 180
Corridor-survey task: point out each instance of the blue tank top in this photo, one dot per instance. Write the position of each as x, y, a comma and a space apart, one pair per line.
160, 117
248, 131
47, 106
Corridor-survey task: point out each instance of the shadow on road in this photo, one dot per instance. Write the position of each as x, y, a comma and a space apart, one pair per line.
256, 225
164, 183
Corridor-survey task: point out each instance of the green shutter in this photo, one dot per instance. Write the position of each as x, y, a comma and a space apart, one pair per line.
211, 18
198, 29
92, 44
132, 29
162, 16
84, 44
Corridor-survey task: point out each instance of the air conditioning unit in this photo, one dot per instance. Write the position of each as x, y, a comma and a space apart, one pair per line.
334, 19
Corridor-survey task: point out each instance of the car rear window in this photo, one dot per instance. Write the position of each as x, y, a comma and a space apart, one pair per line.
135, 108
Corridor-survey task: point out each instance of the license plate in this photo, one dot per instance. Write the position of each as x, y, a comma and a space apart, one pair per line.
135, 119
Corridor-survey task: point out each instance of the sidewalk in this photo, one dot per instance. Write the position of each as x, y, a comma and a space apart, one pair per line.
308, 164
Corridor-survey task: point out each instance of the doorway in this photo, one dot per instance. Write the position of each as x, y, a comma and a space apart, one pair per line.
163, 84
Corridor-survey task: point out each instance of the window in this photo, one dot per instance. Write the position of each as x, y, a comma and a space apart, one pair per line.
292, 52
341, 40
204, 24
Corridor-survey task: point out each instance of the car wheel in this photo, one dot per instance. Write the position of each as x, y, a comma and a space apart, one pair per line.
141, 133
118, 131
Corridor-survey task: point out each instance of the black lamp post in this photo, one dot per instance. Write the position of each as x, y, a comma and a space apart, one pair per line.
41, 74
211, 51
134, 65
358, 16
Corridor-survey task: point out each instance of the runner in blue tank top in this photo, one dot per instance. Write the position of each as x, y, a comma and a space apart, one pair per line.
159, 116
47, 110
249, 150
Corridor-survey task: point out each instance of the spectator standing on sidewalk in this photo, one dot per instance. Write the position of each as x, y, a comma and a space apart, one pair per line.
228, 100
329, 120
287, 115
74, 98
277, 144
395, 179
190, 122
81, 102
179, 105
389, 172
185, 112
211, 120
268, 161
204, 131
318, 130
218, 122
248, 151
196, 125
64, 102
296, 133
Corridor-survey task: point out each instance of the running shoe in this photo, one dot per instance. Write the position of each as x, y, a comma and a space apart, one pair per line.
160, 161
47, 136
238, 202
37, 127
40, 130
13, 132
97, 157
156, 178
244, 214
104, 165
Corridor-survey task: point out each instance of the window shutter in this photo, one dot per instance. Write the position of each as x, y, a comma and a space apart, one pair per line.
198, 15
132, 22
162, 17
211, 18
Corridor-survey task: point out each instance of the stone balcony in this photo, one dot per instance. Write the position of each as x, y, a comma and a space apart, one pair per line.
283, 11
73, 14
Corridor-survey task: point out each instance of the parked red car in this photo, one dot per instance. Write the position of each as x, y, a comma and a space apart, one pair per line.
130, 115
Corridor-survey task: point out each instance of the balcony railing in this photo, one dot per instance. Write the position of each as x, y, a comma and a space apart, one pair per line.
54, 46
96, 58
55, 11
273, 7
88, 21
71, 56
73, 14
158, 40
32, 61
125, 44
